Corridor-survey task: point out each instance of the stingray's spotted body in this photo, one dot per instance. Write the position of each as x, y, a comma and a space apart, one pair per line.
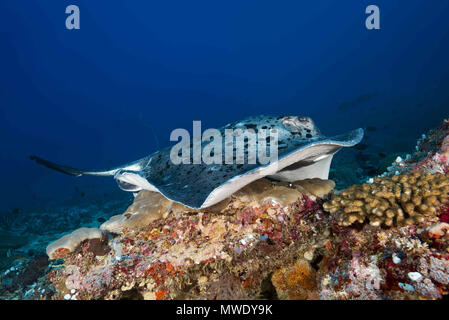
303, 152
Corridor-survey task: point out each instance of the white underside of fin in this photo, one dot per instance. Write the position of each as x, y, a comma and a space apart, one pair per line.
135, 182
322, 154
318, 169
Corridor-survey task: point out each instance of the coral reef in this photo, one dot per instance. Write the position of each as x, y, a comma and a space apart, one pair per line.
391, 201
30, 232
227, 254
147, 207
384, 239
408, 261
150, 206
431, 154
373, 263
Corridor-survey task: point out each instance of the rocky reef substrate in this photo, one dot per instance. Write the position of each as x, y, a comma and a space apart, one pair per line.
385, 239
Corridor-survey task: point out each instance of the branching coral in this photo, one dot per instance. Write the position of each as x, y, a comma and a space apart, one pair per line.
399, 200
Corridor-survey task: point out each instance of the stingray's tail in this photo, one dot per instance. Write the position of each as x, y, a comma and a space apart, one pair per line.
72, 171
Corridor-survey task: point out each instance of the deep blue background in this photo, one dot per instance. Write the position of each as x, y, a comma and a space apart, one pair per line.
112, 91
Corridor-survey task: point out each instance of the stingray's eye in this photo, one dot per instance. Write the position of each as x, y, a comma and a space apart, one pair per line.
292, 124
304, 119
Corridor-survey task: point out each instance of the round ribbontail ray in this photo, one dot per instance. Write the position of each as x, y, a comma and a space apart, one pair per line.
302, 153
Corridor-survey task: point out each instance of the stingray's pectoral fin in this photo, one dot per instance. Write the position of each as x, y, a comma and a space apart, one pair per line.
71, 171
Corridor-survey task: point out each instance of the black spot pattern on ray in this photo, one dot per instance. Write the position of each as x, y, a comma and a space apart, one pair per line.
202, 179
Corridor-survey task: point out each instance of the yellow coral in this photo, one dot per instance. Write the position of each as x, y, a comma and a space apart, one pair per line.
296, 282
399, 200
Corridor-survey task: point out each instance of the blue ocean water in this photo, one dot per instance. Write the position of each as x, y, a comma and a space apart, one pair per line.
112, 91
